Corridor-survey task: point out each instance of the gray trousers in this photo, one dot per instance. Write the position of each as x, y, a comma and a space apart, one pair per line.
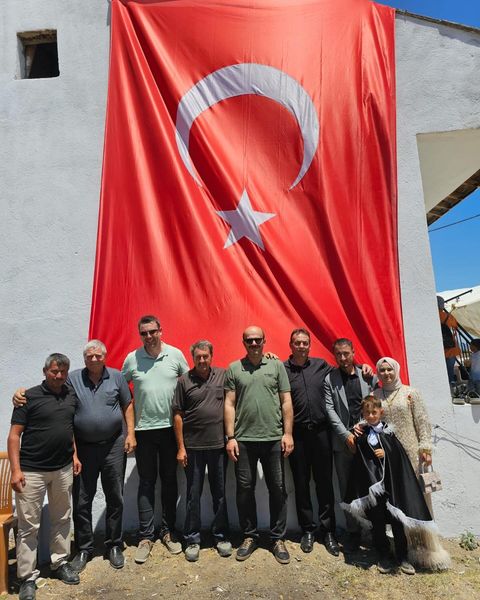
29, 503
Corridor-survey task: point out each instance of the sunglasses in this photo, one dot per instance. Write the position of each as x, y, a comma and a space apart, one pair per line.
255, 340
151, 332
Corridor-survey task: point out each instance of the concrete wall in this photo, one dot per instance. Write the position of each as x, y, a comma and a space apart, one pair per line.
50, 165
438, 89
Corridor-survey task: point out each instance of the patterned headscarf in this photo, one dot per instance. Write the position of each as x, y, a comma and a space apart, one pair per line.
397, 382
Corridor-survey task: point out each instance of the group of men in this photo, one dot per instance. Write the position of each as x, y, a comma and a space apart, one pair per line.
258, 410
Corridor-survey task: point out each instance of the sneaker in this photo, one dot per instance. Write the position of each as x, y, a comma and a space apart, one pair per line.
280, 552
224, 548
473, 397
171, 544
192, 552
458, 400
27, 590
384, 566
66, 574
247, 547
407, 568
144, 549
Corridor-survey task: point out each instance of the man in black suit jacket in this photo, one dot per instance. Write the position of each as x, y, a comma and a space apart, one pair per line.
345, 387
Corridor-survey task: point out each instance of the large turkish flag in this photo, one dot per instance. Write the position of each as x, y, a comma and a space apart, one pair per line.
249, 176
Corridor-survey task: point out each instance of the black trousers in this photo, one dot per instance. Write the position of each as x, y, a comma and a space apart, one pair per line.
379, 516
270, 456
156, 454
312, 456
216, 463
108, 461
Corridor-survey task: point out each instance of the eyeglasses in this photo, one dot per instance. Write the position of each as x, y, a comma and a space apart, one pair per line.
256, 340
151, 332
299, 344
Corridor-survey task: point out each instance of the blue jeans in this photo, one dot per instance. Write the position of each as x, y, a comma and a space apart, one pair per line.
216, 462
270, 456
450, 362
156, 453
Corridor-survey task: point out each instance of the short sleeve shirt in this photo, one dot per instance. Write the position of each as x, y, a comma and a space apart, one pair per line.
47, 439
258, 413
154, 382
99, 415
201, 402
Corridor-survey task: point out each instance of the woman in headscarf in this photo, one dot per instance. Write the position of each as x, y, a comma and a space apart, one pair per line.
405, 411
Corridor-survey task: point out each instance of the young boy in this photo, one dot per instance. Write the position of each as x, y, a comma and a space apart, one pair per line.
383, 488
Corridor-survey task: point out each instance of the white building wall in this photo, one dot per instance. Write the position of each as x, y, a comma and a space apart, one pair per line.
438, 89
50, 166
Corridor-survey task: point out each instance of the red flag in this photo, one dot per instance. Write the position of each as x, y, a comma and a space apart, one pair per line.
249, 176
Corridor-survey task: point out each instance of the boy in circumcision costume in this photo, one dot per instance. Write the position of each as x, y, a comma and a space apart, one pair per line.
383, 488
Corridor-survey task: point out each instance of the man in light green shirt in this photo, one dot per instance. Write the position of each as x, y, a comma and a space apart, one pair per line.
258, 425
154, 369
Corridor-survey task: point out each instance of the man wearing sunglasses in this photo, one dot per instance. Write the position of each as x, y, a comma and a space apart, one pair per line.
154, 369
258, 425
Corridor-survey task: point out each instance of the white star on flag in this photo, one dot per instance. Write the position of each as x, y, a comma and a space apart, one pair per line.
244, 222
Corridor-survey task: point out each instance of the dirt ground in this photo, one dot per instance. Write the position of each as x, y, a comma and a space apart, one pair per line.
315, 575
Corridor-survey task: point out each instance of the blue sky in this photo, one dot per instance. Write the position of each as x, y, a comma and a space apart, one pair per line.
455, 255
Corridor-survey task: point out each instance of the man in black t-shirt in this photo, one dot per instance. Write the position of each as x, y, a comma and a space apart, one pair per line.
198, 425
41, 451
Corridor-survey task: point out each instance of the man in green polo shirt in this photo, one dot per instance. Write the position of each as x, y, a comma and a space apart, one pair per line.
154, 369
258, 425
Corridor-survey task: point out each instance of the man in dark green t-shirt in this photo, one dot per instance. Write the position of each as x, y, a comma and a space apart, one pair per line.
258, 425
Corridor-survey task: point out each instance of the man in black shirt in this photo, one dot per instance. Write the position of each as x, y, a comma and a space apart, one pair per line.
198, 424
41, 452
345, 388
312, 452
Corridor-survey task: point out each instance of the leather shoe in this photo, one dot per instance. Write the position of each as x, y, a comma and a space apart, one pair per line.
280, 552
80, 560
66, 574
115, 556
306, 543
246, 548
27, 590
331, 545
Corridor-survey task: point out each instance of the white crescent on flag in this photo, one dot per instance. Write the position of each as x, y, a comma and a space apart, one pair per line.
239, 80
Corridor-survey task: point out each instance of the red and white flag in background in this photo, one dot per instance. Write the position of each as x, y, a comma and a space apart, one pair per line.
249, 176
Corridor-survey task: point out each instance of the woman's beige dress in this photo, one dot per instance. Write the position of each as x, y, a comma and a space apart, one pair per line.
405, 411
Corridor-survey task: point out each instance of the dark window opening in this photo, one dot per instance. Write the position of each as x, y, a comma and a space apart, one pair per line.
38, 54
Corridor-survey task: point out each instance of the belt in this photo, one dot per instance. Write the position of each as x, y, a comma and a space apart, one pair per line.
311, 426
99, 443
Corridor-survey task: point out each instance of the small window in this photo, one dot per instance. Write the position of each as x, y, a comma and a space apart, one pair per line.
38, 54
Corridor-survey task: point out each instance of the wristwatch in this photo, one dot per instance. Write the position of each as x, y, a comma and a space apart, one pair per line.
229, 437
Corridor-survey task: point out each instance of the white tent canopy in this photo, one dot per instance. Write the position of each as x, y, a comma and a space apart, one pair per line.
466, 309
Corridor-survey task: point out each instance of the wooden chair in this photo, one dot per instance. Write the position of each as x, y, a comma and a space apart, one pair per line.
7, 520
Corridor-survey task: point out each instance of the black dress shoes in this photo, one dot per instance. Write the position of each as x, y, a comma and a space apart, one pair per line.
80, 560
66, 574
306, 543
115, 556
27, 590
331, 544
